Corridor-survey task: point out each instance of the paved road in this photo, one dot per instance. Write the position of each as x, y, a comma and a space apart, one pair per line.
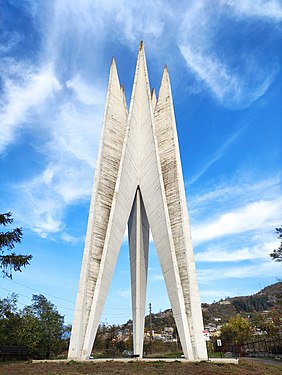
267, 361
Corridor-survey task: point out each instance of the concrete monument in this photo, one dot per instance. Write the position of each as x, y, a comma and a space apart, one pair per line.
138, 181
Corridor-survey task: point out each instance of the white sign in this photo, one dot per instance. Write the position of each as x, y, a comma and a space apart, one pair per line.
206, 335
218, 342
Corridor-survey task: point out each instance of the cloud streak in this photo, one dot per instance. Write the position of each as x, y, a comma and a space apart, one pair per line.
267, 9
241, 272
215, 157
233, 85
218, 254
254, 216
29, 92
65, 97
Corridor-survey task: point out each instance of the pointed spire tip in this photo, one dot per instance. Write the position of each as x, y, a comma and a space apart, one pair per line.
141, 45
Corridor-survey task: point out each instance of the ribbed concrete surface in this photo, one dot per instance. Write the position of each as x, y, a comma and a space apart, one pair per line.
139, 172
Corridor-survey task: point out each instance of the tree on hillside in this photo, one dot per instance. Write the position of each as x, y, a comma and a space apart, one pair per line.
42, 329
277, 253
269, 322
38, 326
236, 331
11, 262
9, 320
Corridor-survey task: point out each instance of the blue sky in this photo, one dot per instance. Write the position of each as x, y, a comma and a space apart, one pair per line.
224, 59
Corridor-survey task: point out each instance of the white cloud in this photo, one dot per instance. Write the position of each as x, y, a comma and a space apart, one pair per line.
28, 92
129, 22
258, 215
226, 85
215, 157
266, 9
124, 293
242, 188
212, 71
70, 239
10, 40
73, 115
221, 253
157, 277
75, 132
40, 202
139, 20
72, 134
241, 272
235, 86
86, 94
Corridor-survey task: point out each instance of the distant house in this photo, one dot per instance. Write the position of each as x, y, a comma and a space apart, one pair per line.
226, 302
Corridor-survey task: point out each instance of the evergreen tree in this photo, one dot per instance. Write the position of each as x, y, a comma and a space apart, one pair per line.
277, 253
11, 262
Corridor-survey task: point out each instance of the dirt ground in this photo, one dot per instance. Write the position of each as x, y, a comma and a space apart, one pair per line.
245, 367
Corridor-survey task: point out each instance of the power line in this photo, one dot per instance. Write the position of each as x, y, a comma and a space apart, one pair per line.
36, 290
11, 291
64, 307
63, 299
8, 290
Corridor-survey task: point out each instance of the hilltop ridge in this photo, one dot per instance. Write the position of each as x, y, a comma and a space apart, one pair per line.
268, 298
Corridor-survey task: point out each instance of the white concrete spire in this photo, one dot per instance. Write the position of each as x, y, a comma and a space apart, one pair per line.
176, 202
138, 181
107, 166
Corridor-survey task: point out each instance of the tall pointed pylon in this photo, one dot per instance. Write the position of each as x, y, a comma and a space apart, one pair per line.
176, 203
138, 181
107, 166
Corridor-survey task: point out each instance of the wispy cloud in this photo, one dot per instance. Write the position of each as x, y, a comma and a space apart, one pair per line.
27, 92
215, 157
157, 277
124, 293
267, 9
68, 111
9, 40
71, 239
236, 207
233, 85
60, 187
65, 97
126, 21
254, 216
240, 272
241, 188
221, 253
85, 94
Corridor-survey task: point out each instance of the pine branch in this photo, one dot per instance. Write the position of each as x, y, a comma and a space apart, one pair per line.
9, 239
13, 262
6, 218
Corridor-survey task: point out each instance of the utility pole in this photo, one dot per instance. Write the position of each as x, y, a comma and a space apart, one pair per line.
150, 325
176, 336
